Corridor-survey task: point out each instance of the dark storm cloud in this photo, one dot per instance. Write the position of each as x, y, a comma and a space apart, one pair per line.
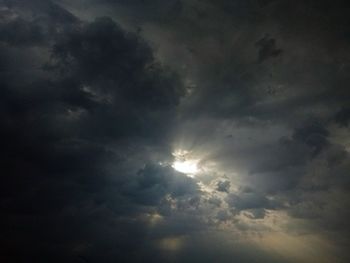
38, 9
267, 48
154, 183
20, 32
343, 117
94, 84
300, 85
251, 201
312, 134
233, 85
154, 9
90, 116
102, 52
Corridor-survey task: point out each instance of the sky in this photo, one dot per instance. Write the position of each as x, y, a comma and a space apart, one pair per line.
175, 131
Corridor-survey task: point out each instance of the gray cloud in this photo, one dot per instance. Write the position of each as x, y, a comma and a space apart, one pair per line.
267, 48
223, 186
97, 95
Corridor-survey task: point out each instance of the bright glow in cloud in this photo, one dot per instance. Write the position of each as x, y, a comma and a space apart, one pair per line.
188, 167
184, 163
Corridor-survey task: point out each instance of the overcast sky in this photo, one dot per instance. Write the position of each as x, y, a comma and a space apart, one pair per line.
175, 131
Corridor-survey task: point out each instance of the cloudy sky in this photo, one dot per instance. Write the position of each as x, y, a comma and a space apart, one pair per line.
175, 131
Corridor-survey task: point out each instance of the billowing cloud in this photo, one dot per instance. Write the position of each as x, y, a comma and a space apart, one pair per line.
99, 98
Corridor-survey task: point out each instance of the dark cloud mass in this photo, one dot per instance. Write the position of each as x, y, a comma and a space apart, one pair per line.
174, 131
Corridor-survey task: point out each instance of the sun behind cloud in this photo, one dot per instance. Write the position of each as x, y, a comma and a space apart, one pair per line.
184, 163
187, 167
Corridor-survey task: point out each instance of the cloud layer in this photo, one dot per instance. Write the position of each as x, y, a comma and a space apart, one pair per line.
100, 97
